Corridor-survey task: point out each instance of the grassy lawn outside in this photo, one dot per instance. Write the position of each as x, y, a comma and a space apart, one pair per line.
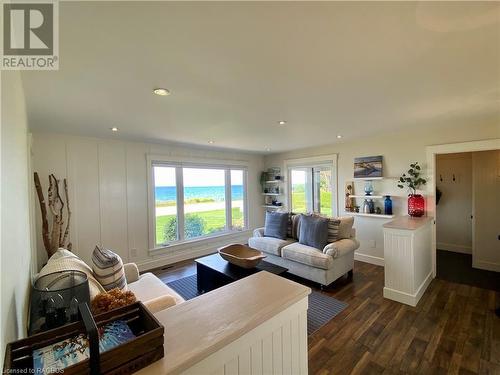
299, 202
213, 222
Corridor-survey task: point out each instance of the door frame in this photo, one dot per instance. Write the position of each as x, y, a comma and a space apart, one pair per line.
449, 148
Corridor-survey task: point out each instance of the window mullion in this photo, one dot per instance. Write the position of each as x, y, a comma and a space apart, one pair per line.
179, 177
245, 200
228, 198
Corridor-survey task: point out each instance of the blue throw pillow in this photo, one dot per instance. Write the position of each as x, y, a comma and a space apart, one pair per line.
313, 231
276, 225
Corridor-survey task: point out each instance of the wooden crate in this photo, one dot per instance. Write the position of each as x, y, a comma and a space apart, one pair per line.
144, 349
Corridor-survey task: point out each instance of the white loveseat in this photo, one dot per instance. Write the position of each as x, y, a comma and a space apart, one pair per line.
323, 266
147, 288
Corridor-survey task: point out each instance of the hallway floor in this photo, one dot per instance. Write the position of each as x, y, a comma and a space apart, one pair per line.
457, 268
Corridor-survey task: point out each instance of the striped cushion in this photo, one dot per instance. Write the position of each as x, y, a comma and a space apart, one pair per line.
333, 229
339, 227
108, 269
293, 225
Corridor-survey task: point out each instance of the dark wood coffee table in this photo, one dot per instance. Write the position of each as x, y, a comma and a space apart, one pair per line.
212, 272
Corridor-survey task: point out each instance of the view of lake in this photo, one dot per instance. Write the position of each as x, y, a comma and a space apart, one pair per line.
217, 193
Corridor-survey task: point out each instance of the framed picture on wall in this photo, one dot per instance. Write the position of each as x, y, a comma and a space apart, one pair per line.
368, 167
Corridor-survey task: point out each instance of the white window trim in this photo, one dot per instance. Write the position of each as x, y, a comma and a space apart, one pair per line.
329, 160
190, 162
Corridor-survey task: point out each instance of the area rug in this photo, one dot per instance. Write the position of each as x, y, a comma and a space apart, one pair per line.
322, 308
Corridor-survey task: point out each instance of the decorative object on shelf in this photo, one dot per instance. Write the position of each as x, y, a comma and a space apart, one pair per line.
58, 235
366, 207
274, 173
412, 181
111, 300
387, 205
349, 190
368, 187
55, 298
378, 211
368, 167
371, 206
356, 209
263, 179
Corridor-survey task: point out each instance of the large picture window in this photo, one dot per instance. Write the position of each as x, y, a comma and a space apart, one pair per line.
196, 201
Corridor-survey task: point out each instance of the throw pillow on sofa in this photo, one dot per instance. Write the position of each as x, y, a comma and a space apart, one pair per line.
108, 269
293, 225
313, 231
276, 225
339, 228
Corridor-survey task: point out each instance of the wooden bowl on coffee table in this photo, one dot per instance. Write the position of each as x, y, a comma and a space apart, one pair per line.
241, 255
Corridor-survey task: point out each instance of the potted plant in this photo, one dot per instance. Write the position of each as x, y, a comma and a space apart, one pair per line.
412, 181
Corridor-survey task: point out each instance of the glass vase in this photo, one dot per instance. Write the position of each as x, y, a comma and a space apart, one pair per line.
387, 205
368, 187
416, 205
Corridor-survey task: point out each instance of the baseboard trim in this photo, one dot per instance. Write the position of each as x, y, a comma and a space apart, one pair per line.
369, 259
454, 247
487, 266
407, 298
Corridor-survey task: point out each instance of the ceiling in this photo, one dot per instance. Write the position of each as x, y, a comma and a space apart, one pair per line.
236, 69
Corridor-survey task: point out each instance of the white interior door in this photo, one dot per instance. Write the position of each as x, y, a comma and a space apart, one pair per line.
486, 208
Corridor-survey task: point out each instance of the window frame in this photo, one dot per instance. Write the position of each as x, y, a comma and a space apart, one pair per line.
179, 164
312, 163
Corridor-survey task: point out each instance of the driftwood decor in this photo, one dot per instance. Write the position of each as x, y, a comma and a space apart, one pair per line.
58, 235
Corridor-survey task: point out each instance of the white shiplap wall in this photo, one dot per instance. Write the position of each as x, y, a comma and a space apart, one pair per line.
108, 193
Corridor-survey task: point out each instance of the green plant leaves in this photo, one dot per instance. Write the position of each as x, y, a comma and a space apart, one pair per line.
413, 179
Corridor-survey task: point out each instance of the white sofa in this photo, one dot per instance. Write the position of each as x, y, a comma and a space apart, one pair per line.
323, 266
147, 288
150, 290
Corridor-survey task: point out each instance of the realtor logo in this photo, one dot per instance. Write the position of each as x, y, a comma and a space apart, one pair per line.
30, 36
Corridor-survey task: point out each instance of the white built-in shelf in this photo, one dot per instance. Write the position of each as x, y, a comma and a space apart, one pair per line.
378, 216
368, 178
273, 181
271, 206
274, 194
373, 196
367, 196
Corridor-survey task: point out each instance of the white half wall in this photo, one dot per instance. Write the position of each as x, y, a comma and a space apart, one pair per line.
399, 149
108, 194
16, 251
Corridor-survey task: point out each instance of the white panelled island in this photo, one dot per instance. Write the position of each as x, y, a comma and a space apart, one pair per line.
408, 258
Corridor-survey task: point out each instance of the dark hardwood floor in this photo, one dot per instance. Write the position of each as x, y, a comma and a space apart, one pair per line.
457, 268
453, 329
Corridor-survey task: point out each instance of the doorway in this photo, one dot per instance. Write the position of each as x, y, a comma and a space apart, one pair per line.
467, 246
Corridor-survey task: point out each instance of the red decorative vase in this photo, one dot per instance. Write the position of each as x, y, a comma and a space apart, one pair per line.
416, 205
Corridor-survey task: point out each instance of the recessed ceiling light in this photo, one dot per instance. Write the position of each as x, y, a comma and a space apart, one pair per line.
114, 129
211, 142
161, 91
282, 122
339, 136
